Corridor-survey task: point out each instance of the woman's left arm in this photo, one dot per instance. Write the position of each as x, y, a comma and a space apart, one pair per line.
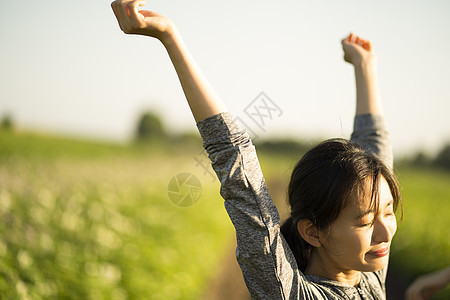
369, 127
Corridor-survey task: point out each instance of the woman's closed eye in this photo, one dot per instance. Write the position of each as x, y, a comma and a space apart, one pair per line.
367, 224
390, 214
366, 221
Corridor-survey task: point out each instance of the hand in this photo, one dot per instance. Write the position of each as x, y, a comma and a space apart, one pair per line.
356, 50
427, 285
143, 22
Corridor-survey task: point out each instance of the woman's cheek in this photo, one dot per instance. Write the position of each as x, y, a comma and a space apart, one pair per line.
360, 239
368, 238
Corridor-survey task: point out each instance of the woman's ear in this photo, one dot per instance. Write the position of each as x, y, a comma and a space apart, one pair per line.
308, 232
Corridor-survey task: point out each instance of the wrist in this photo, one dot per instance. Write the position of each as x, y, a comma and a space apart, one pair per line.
170, 36
366, 63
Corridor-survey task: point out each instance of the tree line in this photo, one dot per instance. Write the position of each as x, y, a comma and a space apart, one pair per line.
149, 127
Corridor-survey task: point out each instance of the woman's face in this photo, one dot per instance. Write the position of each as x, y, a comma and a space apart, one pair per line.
360, 239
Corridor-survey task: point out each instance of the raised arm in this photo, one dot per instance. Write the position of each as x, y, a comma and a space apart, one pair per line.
359, 53
201, 97
369, 128
266, 261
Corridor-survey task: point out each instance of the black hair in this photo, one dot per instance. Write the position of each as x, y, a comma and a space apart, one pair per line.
322, 183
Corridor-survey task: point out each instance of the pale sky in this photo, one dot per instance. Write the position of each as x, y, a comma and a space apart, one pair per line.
66, 67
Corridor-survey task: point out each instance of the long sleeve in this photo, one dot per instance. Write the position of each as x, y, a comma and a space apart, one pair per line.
370, 132
267, 263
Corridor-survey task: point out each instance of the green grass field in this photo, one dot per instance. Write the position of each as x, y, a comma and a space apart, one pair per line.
87, 220
422, 242
82, 220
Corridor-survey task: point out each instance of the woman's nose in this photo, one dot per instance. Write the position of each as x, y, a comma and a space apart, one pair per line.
384, 230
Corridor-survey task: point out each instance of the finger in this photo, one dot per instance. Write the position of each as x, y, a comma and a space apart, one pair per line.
114, 8
149, 13
115, 5
350, 37
123, 15
347, 39
133, 9
122, 10
117, 12
367, 45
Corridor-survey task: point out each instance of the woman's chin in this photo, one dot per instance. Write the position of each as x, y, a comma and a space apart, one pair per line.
374, 265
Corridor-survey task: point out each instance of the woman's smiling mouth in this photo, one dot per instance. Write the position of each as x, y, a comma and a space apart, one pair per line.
380, 253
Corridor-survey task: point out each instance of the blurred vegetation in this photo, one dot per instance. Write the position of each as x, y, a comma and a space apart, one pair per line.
88, 220
443, 158
440, 161
286, 146
7, 123
422, 242
150, 127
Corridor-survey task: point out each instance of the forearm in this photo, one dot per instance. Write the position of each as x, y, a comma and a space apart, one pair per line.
201, 97
369, 130
367, 91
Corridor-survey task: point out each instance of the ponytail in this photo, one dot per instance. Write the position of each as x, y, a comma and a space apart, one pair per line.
299, 247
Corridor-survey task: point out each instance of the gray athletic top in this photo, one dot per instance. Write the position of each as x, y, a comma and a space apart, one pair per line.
267, 263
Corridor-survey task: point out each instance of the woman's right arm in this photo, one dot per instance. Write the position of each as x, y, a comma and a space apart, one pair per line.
201, 97
268, 266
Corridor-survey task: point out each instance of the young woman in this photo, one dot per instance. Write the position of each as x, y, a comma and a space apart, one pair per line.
342, 193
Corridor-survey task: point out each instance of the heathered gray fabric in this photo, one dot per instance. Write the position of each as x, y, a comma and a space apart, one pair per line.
267, 263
